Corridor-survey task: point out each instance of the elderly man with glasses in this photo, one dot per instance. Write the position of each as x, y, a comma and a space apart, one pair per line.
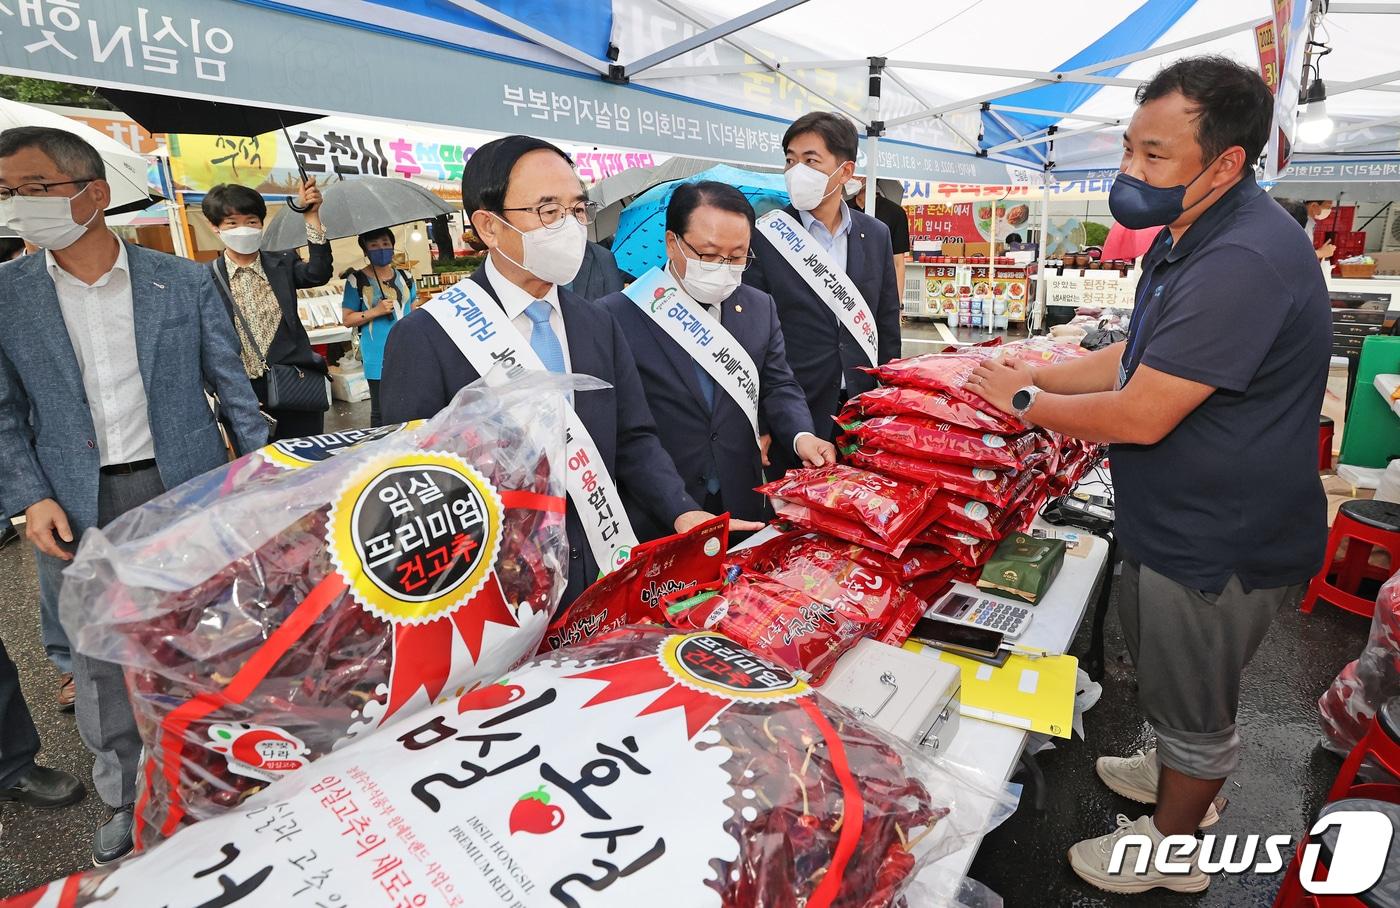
528, 206
705, 424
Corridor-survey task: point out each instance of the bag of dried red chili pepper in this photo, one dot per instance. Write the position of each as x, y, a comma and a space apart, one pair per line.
940, 441
982, 483
891, 509
939, 406
645, 767
833, 569
287, 613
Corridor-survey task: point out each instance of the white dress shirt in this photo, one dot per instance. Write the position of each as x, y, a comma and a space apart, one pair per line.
515, 301
102, 328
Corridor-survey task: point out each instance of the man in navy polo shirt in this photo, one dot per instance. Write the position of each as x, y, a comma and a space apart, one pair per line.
1211, 407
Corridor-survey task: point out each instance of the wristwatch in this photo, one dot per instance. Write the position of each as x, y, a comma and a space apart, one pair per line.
1023, 400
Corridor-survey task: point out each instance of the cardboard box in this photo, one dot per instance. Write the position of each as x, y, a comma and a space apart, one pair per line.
349, 386
956, 250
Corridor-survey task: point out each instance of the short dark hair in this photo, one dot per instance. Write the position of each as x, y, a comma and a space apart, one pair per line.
836, 131
690, 196
72, 154
231, 198
1299, 210
1013, 237
1231, 103
375, 234
486, 178
10, 247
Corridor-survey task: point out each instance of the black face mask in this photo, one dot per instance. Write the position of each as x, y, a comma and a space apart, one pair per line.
1137, 204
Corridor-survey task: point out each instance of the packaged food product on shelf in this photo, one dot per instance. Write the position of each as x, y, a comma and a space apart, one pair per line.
645, 767
265, 619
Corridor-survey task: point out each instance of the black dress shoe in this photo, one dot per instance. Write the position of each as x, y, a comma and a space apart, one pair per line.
112, 841
44, 787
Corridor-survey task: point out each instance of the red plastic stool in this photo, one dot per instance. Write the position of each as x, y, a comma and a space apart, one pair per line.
1365, 525
1326, 429
1384, 894
1381, 743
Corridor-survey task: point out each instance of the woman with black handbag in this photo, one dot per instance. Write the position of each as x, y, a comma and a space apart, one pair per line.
259, 289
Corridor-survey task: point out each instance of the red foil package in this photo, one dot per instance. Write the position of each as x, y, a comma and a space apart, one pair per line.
991, 486
825, 522
292, 612
833, 569
891, 509
646, 767
1347, 707
986, 521
939, 406
798, 630
940, 441
632, 594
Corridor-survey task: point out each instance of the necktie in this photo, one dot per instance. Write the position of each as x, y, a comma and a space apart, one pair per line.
543, 340
707, 385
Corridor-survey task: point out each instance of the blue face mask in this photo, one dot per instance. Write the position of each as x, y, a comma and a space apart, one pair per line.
1136, 204
380, 257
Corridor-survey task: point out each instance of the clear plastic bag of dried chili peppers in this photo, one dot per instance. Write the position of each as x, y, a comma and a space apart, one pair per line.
645, 767
267, 622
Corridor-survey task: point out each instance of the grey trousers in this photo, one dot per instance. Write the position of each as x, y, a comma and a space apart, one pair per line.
56, 645
105, 721
1190, 649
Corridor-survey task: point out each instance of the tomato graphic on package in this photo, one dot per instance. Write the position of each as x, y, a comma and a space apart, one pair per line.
258, 751
492, 696
533, 813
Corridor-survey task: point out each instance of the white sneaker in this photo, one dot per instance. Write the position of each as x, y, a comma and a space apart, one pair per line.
1135, 778
1090, 859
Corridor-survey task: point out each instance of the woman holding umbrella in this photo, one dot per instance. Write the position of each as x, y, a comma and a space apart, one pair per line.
376, 297
259, 289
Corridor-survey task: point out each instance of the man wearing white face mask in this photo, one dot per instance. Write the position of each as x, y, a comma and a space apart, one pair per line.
260, 291
528, 207
1319, 210
108, 347
830, 269
702, 423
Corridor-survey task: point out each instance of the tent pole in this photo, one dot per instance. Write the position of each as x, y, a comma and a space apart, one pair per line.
1041, 287
872, 132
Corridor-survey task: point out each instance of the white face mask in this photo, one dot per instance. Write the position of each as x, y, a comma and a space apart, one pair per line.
243, 240
806, 186
551, 254
1323, 215
710, 288
852, 187
45, 221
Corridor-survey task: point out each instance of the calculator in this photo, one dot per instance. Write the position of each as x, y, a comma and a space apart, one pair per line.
1009, 619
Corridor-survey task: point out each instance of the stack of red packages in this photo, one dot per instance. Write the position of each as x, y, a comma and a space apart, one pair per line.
962, 474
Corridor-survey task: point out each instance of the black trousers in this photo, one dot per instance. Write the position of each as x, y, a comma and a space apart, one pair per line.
376, 419
19, 739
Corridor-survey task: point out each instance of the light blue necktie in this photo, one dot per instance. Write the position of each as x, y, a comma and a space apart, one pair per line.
543, 340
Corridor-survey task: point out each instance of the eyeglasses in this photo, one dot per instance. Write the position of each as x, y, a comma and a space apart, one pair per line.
36, 189
551, 215
713, 261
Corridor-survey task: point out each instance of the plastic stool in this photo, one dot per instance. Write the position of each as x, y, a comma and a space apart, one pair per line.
1365, 525
1381, 743
1384, 894
1326, 429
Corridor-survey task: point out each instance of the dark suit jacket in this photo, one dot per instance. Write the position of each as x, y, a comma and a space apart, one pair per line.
184, 341
598, 275
699, 440
287, 274
423, 370
819, 349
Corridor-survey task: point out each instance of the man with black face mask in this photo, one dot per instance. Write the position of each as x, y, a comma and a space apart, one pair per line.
1211, 406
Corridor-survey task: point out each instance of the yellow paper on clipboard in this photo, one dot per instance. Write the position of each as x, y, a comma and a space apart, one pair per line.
1034, 694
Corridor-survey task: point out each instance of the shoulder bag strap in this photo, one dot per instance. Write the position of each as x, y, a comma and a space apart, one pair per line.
238, 314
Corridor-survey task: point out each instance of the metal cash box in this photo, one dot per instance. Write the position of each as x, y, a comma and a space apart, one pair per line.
908, 695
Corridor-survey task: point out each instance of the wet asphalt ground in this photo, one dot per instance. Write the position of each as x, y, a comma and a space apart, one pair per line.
1278, 788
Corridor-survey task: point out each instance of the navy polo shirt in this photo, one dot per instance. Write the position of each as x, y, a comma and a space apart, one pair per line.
1239, 303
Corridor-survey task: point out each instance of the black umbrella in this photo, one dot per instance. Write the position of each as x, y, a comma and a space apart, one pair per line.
163, 113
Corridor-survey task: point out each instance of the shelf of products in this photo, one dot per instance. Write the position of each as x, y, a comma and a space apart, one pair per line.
975, 292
